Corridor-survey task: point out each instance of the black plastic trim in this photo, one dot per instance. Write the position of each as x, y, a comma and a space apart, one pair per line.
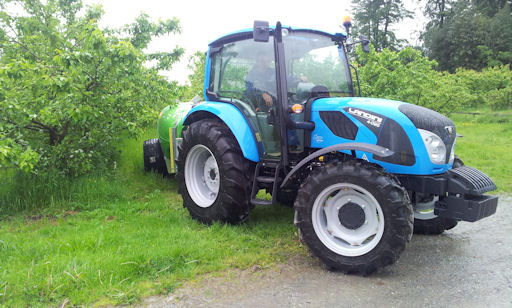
462, 180
468, 208
353, 146
339, 124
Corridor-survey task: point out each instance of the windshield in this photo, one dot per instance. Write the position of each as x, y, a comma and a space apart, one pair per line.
312, 60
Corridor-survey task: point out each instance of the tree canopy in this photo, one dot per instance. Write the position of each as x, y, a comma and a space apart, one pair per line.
469, 34
69, 90
376, 18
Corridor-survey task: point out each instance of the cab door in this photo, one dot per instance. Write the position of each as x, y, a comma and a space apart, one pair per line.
243, 73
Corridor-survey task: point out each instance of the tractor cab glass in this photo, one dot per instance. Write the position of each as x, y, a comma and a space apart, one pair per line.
244, 74
315, 60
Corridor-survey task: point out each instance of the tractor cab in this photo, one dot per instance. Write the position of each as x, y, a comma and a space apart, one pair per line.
272, 89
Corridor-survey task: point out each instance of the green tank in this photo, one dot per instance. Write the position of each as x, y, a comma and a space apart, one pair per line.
169, 126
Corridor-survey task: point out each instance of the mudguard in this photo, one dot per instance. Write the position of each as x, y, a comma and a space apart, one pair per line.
351, 146
234, 119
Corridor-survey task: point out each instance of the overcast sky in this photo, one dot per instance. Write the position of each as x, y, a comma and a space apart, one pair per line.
203, 21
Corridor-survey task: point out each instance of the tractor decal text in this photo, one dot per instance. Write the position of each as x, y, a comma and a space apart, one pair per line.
371, 119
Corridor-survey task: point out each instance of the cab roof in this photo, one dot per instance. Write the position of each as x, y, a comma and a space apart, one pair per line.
248, 34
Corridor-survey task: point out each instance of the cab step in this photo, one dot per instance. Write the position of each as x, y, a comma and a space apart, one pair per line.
266, 175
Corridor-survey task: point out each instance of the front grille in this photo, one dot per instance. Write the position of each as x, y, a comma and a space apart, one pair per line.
475, 180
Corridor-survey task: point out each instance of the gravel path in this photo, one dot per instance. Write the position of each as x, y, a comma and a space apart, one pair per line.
468, 266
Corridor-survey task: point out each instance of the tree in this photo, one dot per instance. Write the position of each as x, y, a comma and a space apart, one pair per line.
455, 43
490, 7
197, 64
69, 90
499, 39
437, 11
467, 36
376, 18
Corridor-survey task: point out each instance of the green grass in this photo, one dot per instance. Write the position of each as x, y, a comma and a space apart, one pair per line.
487, 144
115, 238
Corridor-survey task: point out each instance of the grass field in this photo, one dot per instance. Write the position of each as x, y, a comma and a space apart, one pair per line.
115, 238
487, 144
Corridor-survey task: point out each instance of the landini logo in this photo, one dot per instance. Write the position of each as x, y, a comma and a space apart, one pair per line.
371, 119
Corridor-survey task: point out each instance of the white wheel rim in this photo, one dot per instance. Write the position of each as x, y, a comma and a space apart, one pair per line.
202, 176
337, 237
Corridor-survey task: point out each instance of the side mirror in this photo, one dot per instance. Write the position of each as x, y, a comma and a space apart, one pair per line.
365, 43
261, 31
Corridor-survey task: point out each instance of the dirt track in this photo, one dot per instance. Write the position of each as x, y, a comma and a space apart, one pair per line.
469, 266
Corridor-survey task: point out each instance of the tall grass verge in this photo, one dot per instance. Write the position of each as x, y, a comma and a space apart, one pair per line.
30, 193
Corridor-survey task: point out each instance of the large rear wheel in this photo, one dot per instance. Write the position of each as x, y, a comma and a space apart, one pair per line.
213, 175
353, 216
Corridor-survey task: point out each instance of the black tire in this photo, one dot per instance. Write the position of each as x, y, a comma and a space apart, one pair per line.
153, 156
391, 198
437, 225
433, 226
232, 202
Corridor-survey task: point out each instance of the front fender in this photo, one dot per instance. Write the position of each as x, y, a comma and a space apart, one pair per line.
234, 119
350, 146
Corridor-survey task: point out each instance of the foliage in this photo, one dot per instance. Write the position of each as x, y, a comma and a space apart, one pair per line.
491, 87
410, 77
468, 34
376, 18
196, 64
68, 90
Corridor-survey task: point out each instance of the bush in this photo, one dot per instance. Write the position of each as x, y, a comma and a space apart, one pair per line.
410, 77
492, 86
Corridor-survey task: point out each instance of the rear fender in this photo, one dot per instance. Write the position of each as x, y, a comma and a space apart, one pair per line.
233, 118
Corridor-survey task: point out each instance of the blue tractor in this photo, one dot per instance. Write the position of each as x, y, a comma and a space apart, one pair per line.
281, 115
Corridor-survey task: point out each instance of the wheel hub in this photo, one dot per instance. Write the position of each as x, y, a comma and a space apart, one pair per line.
202, 176
211, 174
351, 215
348, 219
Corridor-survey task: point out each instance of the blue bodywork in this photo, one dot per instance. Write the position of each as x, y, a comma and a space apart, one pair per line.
322, 136
236, 122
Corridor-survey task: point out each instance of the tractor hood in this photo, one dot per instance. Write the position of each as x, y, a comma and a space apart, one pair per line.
398, 126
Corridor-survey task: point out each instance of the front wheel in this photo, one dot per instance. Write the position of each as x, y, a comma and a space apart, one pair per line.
354, 217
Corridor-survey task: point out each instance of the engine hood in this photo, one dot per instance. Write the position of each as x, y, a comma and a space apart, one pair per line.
387, 123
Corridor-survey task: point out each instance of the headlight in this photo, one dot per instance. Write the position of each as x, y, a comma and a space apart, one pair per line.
452, 152
435, 146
